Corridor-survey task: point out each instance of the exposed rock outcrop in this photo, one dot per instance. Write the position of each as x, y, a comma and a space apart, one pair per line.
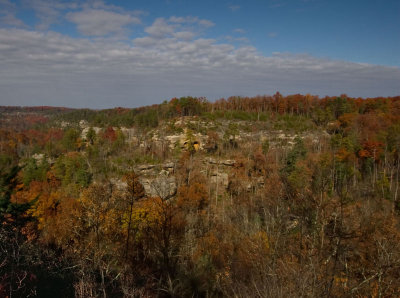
163, 187
226, 162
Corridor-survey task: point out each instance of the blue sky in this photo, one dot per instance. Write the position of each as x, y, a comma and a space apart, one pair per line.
130, 53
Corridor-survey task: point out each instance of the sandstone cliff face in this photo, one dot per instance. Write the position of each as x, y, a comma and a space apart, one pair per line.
217, 167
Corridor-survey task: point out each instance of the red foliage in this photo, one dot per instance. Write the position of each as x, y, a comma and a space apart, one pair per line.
110, 134
54, 134
35, 119
371, 149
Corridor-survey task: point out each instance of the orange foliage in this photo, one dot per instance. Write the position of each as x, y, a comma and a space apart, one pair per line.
193, 197
371, 149
344, 155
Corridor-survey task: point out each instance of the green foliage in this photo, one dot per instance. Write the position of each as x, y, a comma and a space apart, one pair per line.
74, 116
321, 116
73, 169
35, 170
350, 143
232, 131
340, 106
299, 178
383, 187
8, 182
5, 162
8, 185
265, 146
91, 136
293, 123
70, 139
237, 115
190, 142
393, 138
298, 152
147, 119
344, 175
230, 135
145, 159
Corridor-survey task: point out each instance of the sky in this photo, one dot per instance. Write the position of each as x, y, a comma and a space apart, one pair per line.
104, 54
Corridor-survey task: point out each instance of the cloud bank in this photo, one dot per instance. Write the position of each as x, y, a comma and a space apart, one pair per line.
172, 58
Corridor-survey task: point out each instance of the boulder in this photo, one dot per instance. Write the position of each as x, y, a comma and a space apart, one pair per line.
211, 161
145, 167
168, 165
228, 162
38, 157
83, 124
163, 187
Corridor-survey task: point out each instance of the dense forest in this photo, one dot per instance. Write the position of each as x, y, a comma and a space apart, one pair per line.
268, 196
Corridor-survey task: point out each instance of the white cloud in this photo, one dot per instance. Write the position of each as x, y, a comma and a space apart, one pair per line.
185, 35
53, 69
8, 14
239, 30
6, 4
180, 27
85, 14
11, 20
234, 7
181, 20
236, 39
206, 23
191, 20
145, 41
99, 22
49, 11
160, 28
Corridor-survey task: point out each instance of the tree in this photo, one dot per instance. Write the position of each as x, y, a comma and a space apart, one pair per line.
193, 197
70, 140
298, 152
8, 185
100, 235
73, 169
160, 226
91, 136
230, 136
35, 170
133, 192
212, 142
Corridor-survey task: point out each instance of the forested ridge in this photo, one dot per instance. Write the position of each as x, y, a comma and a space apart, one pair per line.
266, 196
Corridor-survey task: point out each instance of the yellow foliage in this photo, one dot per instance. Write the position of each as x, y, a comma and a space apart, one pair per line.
45, 208
260, 239
144, 214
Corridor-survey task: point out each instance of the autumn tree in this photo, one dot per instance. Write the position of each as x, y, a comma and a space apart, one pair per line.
133, 192
100, 236
193, 197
